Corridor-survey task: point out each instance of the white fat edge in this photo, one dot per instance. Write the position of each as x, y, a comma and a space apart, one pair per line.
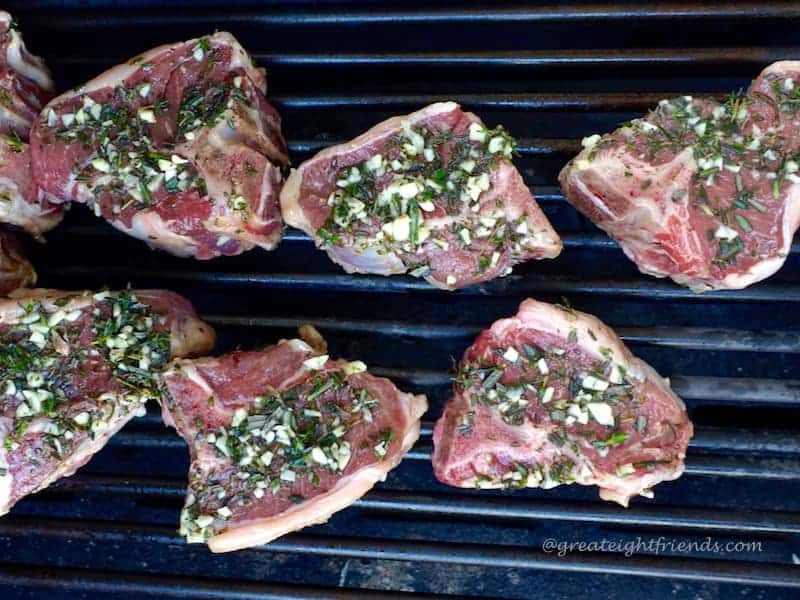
13, 121
147, 224
245, 235
117, 74
372, 260
189, 370
26, 64
346, 490
27, 215
16, 210
382, 132
11, 310
291, 211
87, 449
318, 510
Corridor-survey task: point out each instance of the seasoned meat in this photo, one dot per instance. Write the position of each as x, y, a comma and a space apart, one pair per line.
25, 86
704, 192
552, 396
281, 439
74, 368
432, 193
178, 147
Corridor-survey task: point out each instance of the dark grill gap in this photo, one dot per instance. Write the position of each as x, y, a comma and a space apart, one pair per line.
335, 69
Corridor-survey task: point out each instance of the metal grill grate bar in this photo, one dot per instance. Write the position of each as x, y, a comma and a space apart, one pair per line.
502, 508
483, 555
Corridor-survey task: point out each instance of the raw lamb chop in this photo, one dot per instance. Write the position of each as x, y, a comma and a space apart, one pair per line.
25, 86
74, 368
704, 192
552, 396
281, 439
432, 193
15, 270
178, 147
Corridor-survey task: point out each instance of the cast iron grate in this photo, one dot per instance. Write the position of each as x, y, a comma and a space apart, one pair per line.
551, 74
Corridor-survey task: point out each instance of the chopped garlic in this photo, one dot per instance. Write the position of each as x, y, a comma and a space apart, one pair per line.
354, 367
101, 165
590, 382
374, 163
408, 190
239, 417
496, 144
590, 141
477, 133
316, 363
616, 376
468, 165
204, 521
625, 470
401, 228
724, 232
319, 456
81, 419
601, 412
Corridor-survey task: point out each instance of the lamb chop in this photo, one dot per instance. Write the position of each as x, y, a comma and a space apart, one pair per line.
432, 193
281, 439
74, 368
178, 147
15, 270
25, 86
551, 396
704, 192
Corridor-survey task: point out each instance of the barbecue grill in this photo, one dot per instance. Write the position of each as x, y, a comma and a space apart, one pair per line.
551, 75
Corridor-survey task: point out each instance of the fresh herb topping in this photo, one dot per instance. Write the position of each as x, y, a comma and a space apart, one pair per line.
131, 164
278, 444
587, 405
45, 364
736, 149
426, 192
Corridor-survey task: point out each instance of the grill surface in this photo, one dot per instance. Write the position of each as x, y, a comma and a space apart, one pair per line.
551, 75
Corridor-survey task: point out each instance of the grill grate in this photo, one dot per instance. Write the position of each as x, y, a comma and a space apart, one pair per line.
335, 69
